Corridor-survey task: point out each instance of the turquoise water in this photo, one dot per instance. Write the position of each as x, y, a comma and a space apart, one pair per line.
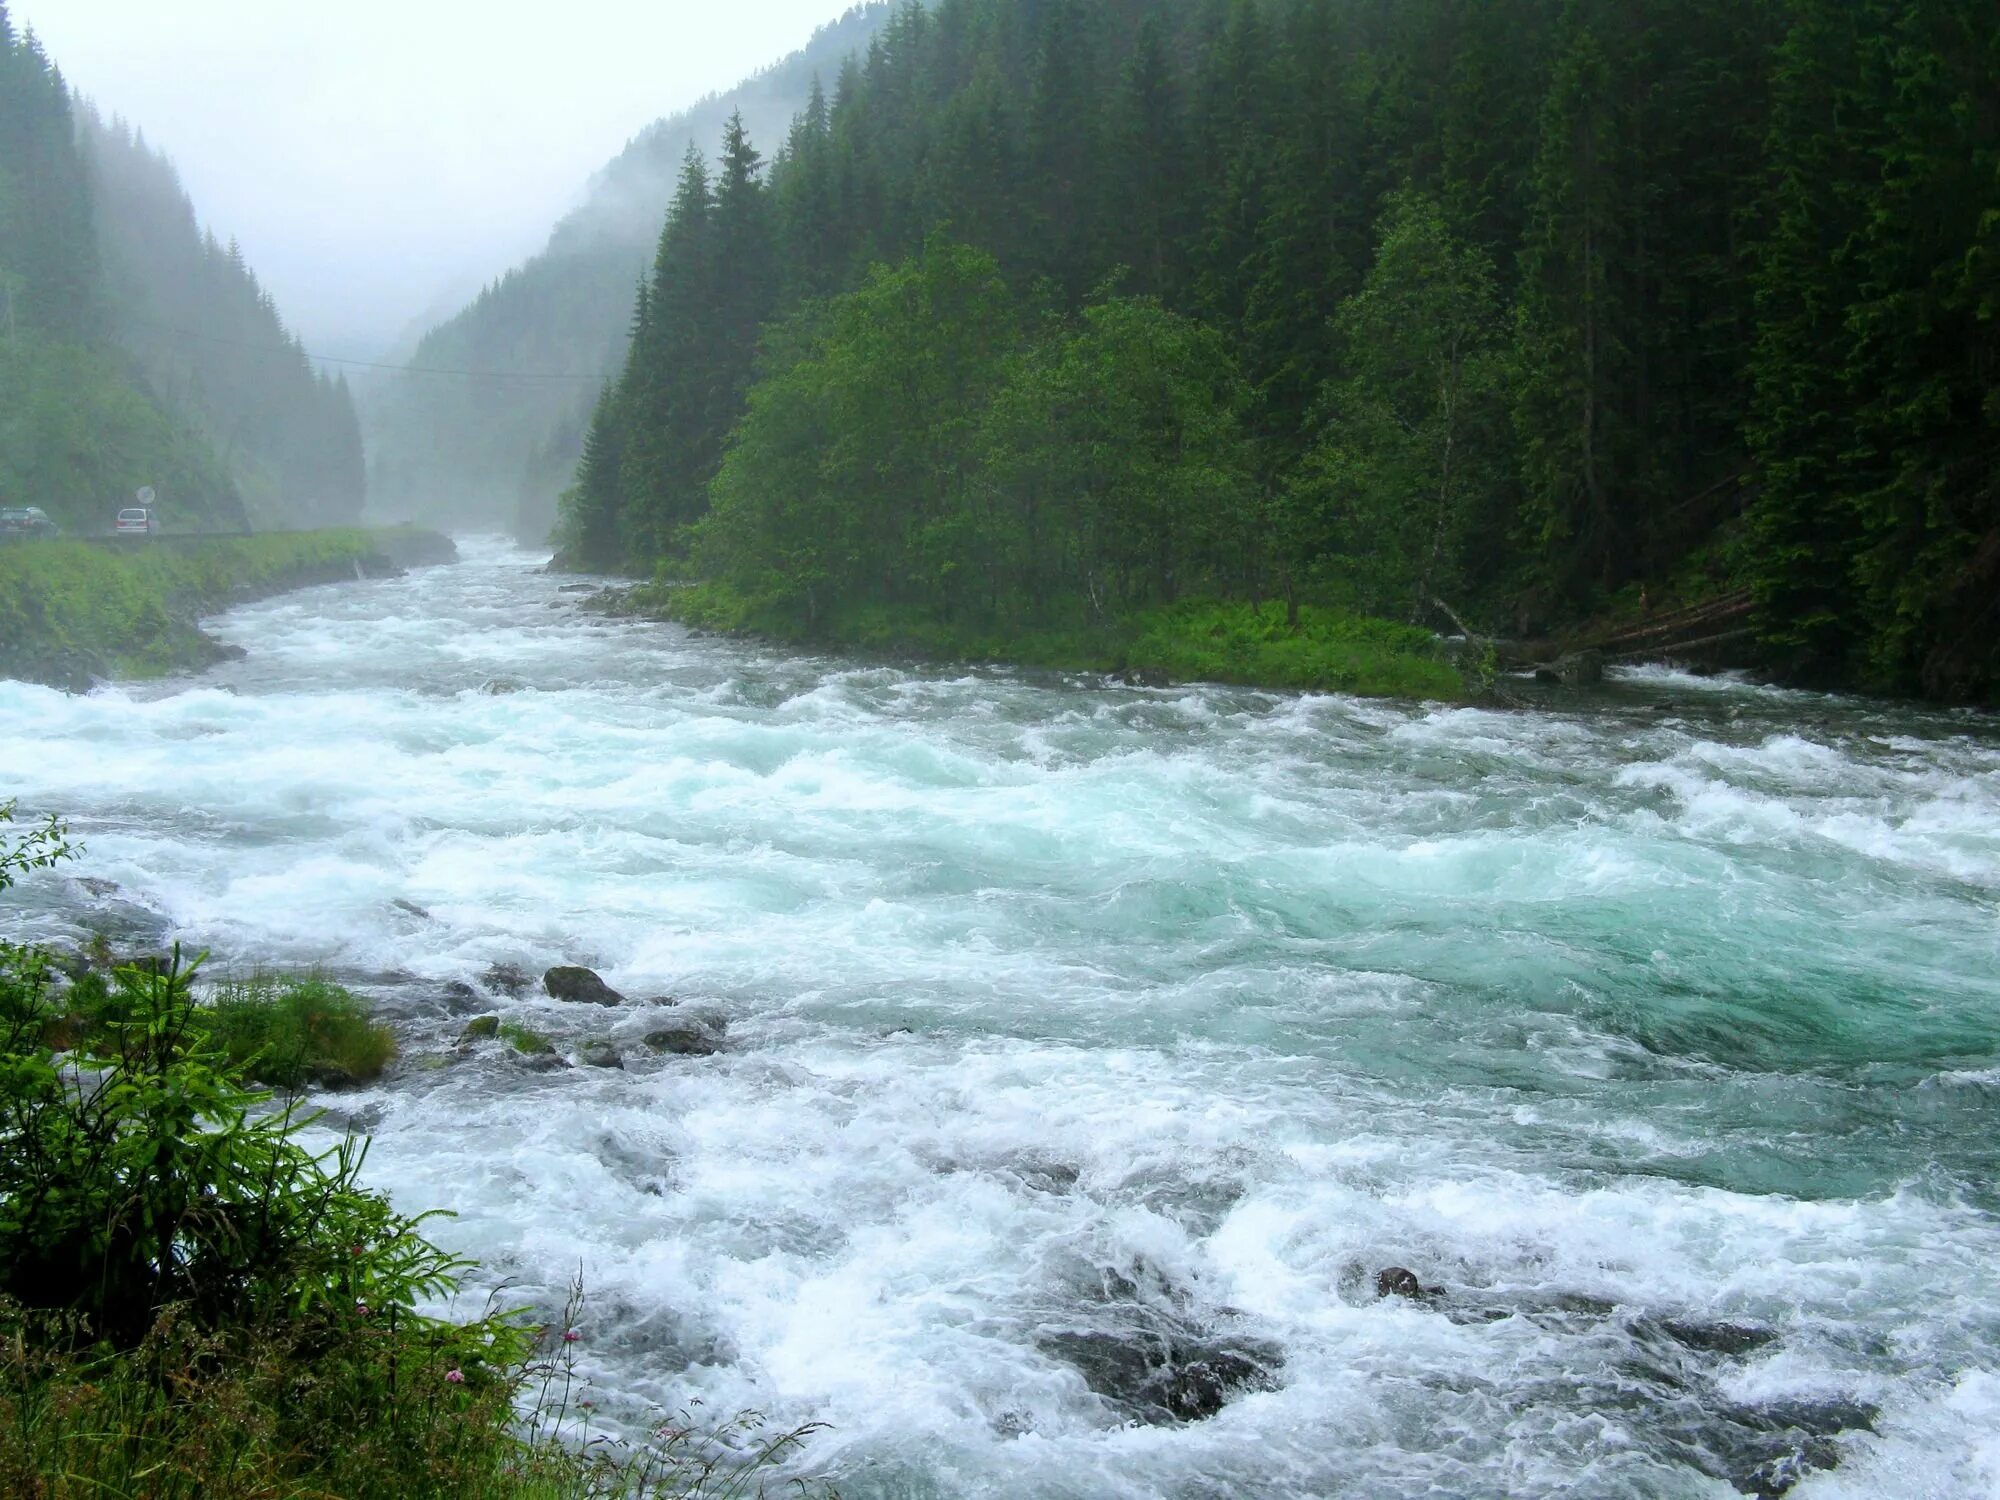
1657, 1027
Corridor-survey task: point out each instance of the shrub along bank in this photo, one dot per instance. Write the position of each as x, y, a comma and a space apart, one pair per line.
1317, 649
75, 612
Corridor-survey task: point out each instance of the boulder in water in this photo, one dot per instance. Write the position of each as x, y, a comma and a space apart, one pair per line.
579, 986
480, 1029
600, 1055
684, 1038
506, 979
1166, 1373
1578, 669
1400, 1281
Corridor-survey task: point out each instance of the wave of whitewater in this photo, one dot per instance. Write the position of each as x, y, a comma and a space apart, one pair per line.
1661, 1030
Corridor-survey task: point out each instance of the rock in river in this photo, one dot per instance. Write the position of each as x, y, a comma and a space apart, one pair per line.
684, 1037
580, 987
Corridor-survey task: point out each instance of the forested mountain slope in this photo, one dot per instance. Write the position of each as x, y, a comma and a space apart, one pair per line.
1547, 308
209, 340
134, 351
487, 449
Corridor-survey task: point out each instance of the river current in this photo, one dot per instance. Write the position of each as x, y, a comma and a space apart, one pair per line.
1079, 1034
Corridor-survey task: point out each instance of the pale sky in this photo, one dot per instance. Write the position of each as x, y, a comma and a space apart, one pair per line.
379, 160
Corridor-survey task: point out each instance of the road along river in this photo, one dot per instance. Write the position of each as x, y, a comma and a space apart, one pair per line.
1091, 1050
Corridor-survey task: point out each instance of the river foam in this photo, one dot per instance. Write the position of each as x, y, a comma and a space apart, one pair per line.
1657, 1031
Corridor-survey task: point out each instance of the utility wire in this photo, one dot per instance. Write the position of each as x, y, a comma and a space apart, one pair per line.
362, 364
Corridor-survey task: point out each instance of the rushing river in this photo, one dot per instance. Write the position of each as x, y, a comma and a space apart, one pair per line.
1074, 1030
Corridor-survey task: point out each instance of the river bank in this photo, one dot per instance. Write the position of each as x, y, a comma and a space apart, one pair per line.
1318, 650
73, 613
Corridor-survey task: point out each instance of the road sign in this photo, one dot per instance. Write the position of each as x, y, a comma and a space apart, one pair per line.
145, 495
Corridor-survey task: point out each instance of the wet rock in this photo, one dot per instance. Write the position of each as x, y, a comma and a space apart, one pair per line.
684, 1037
1044, 1175
411, 908
98, 887
1400, 1281
578, 986
1717, 1338
1143, 677
1578, 669
1769, 1449
577, 588
600, 1055
506, 979
458, 992
1168, 1374
480, 1029
500, 687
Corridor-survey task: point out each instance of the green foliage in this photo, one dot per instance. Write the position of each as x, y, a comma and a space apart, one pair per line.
129, 611
523, 1039
137, 1172
1322, 650
1876, 538
1636, 263
1412, 462
40, 848
290, 1032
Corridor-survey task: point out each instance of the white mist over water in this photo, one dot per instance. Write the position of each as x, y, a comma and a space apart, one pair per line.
1066, 1018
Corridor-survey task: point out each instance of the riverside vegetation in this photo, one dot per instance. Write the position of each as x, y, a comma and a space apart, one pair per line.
1053, 314
71, 612
195, 1302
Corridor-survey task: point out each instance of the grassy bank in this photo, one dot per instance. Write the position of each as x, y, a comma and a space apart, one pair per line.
72, 612
1327, 650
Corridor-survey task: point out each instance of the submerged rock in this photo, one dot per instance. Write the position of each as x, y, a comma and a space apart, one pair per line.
1400, 1281
600, 1055
411, 908
1578, 669
684, 1038
578, 986
506, 979
459, 996
1717, 1338
480, 1029
1168, 1373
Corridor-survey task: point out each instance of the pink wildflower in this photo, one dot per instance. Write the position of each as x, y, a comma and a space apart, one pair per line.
571, 1336
456, 1377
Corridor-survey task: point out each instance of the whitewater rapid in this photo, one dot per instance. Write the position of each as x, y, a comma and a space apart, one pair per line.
1659, 1027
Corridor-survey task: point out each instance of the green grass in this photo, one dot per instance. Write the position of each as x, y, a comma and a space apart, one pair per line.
284, 1033
291, 1032
524, 1040
129, 611
1328, 650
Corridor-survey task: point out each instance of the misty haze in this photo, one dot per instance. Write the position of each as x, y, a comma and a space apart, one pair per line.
1060, 748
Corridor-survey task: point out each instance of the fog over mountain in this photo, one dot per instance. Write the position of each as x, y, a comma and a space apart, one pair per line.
489, 425
375, 158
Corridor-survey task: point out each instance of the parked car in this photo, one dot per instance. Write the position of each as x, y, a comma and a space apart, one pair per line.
135, 520
25, 520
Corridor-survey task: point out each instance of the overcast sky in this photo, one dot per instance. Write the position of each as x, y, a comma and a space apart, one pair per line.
380, 159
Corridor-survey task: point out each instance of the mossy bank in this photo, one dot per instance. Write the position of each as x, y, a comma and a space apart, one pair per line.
74, 612
1318, 650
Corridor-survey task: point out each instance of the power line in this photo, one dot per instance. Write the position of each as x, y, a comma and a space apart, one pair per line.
364, 364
